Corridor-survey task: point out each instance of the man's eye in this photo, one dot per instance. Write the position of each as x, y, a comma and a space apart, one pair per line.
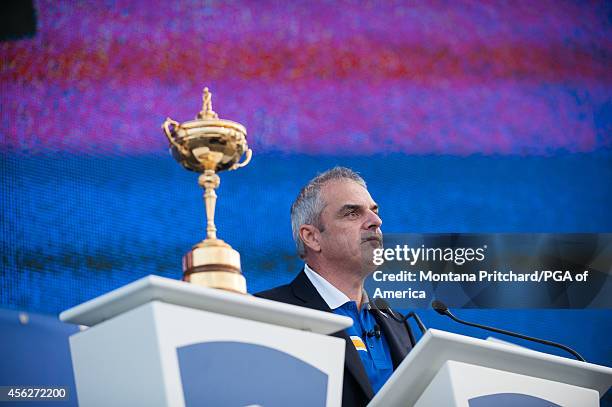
352, 214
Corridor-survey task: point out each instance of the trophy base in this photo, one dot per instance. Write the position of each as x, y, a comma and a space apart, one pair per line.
213, 263
221, 280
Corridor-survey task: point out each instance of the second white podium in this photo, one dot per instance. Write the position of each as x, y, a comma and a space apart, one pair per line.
447, 369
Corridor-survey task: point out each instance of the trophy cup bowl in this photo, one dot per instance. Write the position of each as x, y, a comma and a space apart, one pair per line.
209, 145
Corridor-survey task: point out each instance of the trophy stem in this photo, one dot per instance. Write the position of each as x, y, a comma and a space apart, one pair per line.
212, 262
210, 181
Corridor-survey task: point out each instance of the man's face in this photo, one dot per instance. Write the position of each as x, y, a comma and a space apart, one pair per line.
350, 225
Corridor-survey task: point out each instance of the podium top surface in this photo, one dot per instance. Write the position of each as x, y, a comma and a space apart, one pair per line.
436, 347
155, 288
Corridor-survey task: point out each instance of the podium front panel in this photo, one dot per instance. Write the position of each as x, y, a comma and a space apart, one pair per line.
168, 355
465, 385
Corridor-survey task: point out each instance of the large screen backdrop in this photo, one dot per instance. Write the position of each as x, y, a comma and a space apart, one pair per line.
462, 117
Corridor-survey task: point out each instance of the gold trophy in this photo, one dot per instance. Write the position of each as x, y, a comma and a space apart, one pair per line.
209, 145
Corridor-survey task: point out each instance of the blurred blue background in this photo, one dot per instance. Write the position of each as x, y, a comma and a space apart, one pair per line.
462, 117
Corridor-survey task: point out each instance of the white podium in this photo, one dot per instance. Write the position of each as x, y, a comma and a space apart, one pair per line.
447, 369
161, 342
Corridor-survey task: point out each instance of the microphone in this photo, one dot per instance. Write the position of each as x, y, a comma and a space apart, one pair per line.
374, 332
382, 306
442, 309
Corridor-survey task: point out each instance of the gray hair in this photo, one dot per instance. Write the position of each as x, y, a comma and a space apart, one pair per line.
307, 207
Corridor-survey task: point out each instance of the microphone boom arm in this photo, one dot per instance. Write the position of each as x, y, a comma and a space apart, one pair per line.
443, 310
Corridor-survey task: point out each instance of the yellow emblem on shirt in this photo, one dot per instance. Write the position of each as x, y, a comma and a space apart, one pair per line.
359, 345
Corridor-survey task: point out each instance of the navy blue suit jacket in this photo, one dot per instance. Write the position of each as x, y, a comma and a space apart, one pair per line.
357, 390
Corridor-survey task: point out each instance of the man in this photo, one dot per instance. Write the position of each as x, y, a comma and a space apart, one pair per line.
336, 227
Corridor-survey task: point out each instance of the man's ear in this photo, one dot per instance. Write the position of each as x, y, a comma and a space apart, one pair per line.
310, 236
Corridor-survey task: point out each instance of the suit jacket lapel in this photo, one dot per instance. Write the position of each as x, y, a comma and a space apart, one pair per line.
305, 291
393, 332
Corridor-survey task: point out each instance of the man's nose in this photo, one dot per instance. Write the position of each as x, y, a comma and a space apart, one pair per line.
374, 221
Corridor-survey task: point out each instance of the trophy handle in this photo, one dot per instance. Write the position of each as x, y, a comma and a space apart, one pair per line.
247, 159
168, 133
